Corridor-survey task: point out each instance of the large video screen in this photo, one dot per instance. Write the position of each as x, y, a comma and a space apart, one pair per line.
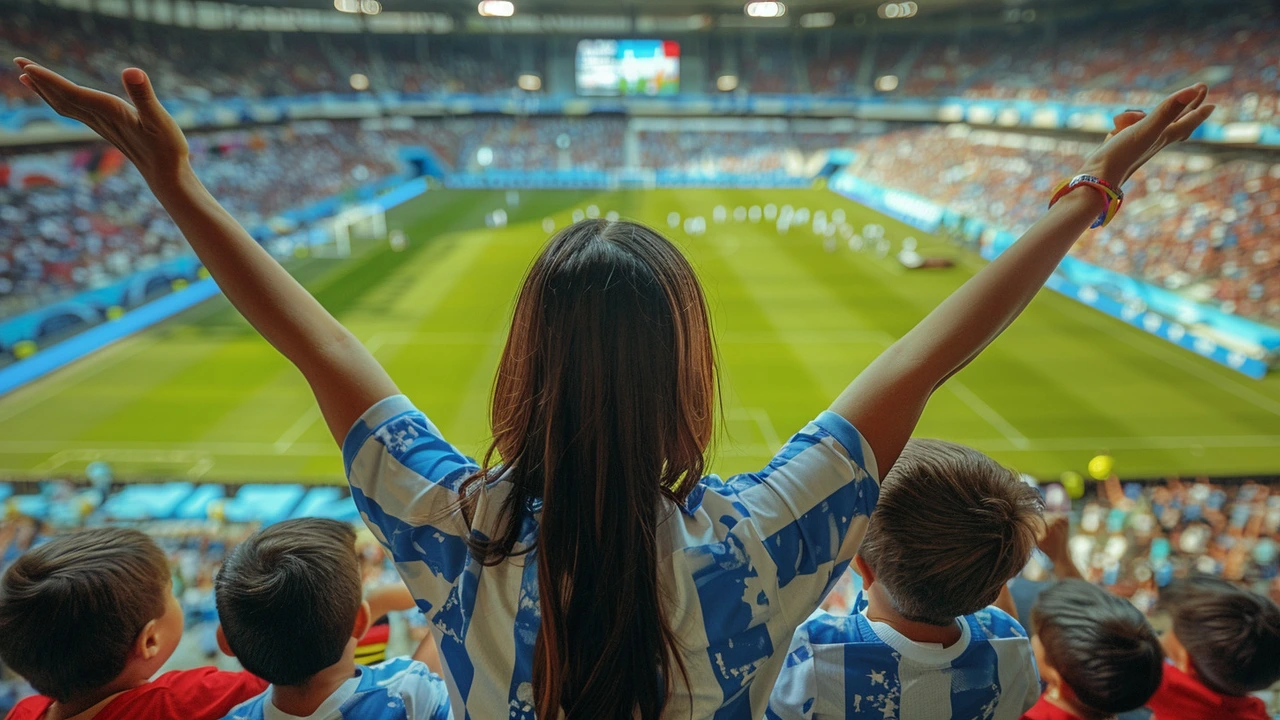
628, 67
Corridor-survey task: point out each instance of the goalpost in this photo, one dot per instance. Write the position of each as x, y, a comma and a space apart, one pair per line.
354, 224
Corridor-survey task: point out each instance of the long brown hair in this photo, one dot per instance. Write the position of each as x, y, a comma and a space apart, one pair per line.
602, 410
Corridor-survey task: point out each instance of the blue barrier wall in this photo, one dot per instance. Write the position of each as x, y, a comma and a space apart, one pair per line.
1153, 309
1046, 115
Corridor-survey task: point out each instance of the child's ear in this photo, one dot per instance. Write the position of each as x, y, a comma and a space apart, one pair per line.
862, 568
223, 645
147, 644
363, 621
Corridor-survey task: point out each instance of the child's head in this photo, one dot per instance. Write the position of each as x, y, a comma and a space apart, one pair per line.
952, 526
290, 600
1226, 636
86, 610
1096, 649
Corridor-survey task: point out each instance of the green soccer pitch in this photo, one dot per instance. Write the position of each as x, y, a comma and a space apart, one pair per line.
202, 396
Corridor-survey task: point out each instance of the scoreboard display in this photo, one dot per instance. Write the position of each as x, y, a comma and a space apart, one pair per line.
612, 68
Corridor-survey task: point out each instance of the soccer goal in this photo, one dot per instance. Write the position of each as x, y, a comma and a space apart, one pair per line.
354, 224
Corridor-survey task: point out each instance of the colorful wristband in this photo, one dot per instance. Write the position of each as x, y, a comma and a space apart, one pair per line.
1111, 195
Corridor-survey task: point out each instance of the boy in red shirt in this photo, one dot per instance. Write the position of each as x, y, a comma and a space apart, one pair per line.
1096, 653
88, 619
1224, 644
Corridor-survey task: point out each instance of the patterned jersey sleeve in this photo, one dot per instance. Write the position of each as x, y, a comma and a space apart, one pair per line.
405, 479
817, 491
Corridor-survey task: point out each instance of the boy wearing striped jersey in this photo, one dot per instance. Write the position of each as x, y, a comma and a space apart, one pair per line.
951, 528
291, 610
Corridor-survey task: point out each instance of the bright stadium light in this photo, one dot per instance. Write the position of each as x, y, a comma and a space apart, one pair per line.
529, 82
347, 6
897, 10
887, 83
359, 81
817, 20
765, 9
727, 83
497, 8
370, 7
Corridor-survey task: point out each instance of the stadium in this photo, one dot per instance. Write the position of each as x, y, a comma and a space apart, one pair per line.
831, 171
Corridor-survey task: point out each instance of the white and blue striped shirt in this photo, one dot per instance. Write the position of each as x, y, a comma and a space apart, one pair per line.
846, 666
398, 689
746, 560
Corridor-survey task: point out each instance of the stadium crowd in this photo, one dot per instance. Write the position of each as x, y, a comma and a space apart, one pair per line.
1199, 223
1134, 539
1133, 62
82, 218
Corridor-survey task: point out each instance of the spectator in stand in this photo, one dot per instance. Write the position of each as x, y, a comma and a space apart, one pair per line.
1096, 654
89, 618
1223, 645
950, 529
292, 611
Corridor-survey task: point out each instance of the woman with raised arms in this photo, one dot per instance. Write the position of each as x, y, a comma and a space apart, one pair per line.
586, 568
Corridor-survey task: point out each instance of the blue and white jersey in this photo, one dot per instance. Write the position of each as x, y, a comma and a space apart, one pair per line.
746, 560
846, 666
398, 689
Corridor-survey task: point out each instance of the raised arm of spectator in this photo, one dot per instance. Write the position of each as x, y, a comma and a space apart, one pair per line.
1055, 544
886, 400
345, 377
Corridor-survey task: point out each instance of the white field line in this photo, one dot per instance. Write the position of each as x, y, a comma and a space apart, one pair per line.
78, 371
988, 413
312, 414
763, 423
182, 451
1178, 358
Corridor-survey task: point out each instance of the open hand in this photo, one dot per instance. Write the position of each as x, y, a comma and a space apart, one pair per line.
1138, 136
143, 131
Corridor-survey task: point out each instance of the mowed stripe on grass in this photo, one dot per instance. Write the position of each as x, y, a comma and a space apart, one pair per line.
202, 395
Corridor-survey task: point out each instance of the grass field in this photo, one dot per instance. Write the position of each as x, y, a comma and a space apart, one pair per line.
202, 396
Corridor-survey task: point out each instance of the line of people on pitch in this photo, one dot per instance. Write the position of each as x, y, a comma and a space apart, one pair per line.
89, 618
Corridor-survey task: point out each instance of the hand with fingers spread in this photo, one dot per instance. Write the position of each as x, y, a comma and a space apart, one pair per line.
1139, 136
143, 131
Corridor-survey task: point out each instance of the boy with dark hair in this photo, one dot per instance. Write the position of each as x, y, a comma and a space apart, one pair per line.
1096, 653
1224, 643
291, 607
951, 528
89, 618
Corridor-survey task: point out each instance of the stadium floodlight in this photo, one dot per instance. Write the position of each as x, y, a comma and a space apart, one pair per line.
817, 20
370, 7
347, 6
765, 9
529, 82
497, 8
887, 83
727, 83
359, 81
897, 10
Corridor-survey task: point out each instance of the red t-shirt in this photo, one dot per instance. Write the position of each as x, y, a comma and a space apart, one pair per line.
1182, 697
1045, 710
201, 694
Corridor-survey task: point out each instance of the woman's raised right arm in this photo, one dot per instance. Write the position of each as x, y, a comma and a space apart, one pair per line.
345, 377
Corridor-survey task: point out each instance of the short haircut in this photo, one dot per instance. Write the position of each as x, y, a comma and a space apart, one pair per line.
71, 609
952, 526
1101, 645
288, 597
1231, 634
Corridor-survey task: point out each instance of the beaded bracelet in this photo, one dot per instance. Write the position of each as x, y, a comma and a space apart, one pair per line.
1111, 195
